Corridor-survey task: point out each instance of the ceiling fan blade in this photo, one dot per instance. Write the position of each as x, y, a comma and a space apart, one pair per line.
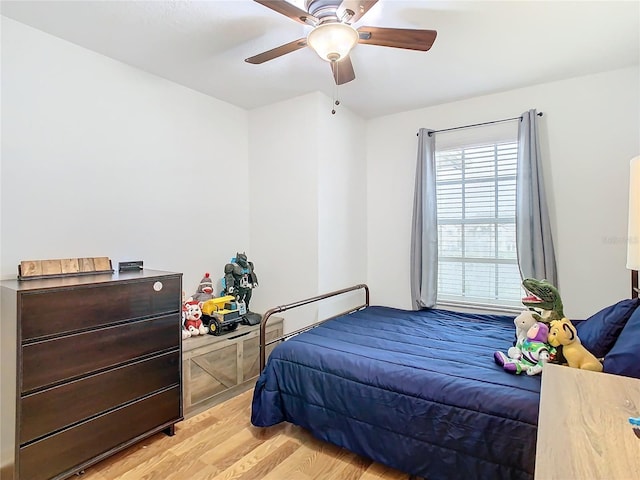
277, 52
398, 37
358, 7
289, 10
343, 71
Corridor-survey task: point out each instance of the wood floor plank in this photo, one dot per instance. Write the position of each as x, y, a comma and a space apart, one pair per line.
205, 420
152, 448
353, 469
195, 471
171, 467
209, 437
260, 460
296, 465
153, 469
377, 471
236, 447
332, 461
269, 462
221, 444
119, 464
318, 460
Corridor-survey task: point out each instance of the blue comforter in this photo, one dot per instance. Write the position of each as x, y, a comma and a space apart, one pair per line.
418, 391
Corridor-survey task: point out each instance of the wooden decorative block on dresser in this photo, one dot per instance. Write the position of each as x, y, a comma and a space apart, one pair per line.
218, 368
90, 365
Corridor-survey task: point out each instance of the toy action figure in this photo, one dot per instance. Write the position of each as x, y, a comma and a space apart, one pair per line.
239, 281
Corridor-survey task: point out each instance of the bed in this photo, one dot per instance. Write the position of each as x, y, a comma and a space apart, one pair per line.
415, 390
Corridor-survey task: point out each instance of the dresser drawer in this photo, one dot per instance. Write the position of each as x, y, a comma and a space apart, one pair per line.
60, 453
64, 358
54, 312
55, 408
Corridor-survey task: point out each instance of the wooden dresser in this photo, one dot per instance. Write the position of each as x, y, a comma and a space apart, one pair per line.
215, 368
90, 365
583, 427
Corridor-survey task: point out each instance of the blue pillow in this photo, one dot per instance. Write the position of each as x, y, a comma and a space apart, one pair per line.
599, 332
624, 357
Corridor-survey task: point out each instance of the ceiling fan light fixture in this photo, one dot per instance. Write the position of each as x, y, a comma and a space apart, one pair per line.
333, 41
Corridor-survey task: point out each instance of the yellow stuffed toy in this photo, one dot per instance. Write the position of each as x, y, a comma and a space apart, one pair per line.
562, 332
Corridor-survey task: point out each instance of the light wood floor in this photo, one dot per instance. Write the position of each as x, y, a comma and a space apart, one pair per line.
222, 444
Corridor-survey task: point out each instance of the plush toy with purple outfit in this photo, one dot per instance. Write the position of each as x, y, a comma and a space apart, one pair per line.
534, 352
523, 323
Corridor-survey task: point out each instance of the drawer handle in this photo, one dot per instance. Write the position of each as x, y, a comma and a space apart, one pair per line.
157, 286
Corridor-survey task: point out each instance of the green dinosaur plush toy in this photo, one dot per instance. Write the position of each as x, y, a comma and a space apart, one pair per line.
544, 298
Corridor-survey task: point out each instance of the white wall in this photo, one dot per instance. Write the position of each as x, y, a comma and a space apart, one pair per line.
307, 202
283, 168
589, 132
342, 206
101, 159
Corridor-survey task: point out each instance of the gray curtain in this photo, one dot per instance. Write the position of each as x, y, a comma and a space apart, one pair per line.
424, 228
536, 256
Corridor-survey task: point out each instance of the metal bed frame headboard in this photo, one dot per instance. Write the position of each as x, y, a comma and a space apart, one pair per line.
283, 308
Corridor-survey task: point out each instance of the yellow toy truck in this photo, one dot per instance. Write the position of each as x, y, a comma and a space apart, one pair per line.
222, 314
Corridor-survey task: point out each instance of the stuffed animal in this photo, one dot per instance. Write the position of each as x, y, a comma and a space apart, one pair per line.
193, 318
534, 352
523, 323
562, 332
204, 291
543, 297
185, 333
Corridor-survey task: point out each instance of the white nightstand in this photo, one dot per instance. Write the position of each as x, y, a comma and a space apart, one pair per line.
583, 427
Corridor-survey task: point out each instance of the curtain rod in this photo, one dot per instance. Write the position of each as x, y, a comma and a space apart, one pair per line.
479, 124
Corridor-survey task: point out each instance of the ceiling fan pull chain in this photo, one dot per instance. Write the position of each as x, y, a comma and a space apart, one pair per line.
336, 102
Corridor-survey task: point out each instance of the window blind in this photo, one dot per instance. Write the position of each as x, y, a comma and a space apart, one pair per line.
476, 198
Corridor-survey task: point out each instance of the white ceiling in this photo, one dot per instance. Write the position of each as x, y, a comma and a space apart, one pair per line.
482, 46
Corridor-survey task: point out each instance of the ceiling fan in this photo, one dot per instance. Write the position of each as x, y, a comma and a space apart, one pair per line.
333, 35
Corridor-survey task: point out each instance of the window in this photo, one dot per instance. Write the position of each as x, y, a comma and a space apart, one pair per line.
476, 197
